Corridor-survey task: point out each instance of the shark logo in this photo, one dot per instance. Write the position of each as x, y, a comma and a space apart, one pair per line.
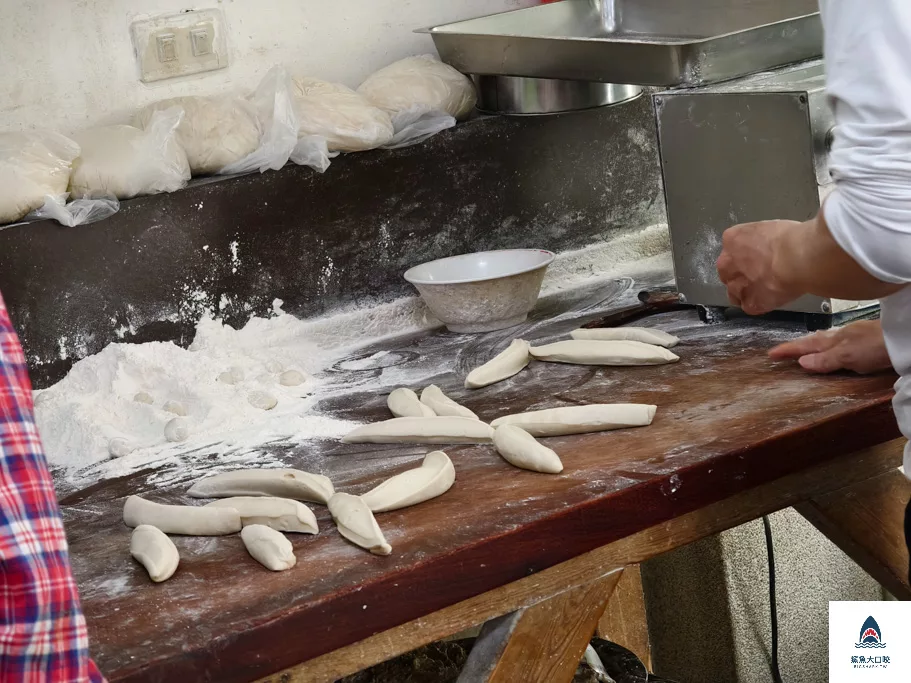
870, 635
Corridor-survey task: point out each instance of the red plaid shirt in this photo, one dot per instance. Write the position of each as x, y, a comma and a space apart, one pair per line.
43, 637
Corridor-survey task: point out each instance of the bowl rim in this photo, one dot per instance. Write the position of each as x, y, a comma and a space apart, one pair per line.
550, 256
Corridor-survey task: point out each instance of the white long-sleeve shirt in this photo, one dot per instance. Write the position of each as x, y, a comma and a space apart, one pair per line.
868, 79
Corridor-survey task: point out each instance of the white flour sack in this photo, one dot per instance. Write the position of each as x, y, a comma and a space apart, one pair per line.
32, 166
214, 131
423, 83
126, 162
347, 121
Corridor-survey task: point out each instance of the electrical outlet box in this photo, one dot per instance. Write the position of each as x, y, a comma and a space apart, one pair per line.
175, 45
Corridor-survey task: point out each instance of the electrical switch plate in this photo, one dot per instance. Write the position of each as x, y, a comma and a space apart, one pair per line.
175, 45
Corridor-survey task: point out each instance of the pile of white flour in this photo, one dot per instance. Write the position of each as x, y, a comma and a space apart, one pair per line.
95, 403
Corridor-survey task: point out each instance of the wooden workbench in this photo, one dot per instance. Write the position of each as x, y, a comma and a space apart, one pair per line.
735, 436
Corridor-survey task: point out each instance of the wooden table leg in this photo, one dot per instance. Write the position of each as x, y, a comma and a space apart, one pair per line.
866, 520
542, 643
624, 621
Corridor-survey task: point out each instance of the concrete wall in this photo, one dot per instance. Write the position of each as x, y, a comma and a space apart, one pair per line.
66, 64
708, 606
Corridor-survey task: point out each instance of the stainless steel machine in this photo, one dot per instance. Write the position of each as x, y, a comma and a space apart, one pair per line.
734, 147
744, 150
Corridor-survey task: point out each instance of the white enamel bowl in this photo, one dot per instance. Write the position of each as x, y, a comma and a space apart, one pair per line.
488, 290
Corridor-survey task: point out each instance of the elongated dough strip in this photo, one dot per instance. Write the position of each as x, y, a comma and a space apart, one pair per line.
293, 484
587, 352
519, 448
500, 367
181, 519
356, 522
646, 335
581, 419
442, 405
268, 547
281, 514
405, 403
433, 478
432, 430
154, 551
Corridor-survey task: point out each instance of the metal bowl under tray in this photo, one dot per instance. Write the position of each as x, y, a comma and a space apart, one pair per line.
519, 95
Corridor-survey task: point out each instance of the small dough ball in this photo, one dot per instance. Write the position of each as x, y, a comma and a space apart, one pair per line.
274, 366
262, 400
143, 397
292, 378
175, 407
177, 430
119, 447
214, 132
232, 376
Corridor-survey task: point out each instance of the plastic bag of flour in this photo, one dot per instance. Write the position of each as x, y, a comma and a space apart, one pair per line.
33, 165
347, 121
214, 132
124, 161
278, 121
424, 83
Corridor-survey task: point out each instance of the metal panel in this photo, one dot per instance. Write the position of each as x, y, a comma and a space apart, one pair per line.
731, 158
643, 42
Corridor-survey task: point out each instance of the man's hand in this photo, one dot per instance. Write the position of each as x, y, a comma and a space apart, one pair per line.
767, 264
749, 266
859, 347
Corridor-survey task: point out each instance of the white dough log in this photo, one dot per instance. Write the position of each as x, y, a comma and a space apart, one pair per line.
500, 367
268, 547
405, 403
520, 448
181, 519
356, 522
442, 405
432, 430
154, 551
433, 478
589, 352
646, 335
599, 417
281, 514
144, 397
294, 484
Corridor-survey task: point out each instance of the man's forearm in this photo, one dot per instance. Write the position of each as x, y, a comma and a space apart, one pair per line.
812, 262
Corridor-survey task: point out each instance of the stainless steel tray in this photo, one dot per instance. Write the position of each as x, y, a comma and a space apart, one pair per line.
641, 42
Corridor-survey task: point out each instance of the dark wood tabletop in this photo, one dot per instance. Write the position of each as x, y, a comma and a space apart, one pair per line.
728, 420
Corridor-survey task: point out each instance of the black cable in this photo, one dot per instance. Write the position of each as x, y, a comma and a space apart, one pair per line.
773, 606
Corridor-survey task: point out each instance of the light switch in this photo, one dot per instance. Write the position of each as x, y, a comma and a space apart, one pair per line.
167, 47
180, 44
201, 40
